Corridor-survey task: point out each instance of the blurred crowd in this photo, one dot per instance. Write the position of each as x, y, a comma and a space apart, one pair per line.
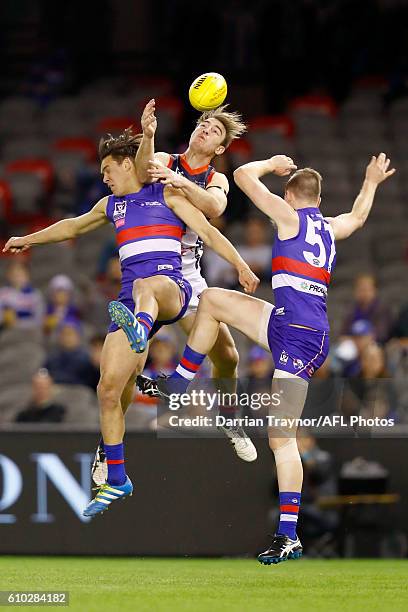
371, 352
65, 90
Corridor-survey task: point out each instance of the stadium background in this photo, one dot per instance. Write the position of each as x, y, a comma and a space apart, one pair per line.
313, 83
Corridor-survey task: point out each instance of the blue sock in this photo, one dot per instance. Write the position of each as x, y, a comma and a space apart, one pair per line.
146, 321
115, 458
289, 509
187, 368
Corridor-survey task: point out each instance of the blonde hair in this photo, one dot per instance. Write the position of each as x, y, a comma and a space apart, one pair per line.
232, 122
306, 184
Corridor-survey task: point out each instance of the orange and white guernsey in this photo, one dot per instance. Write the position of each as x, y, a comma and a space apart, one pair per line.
192, 245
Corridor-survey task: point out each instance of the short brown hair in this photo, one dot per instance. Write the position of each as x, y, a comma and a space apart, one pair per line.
306, 184
125, 145
232, 121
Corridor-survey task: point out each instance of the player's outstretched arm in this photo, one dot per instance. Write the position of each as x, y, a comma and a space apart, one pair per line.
376, 172
62, 230
212, 238
247, 177
145, 151
212, 201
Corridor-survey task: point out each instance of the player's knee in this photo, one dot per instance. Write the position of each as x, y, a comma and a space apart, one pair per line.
226, 359
140, 285
209, 297
108, 392
284, 449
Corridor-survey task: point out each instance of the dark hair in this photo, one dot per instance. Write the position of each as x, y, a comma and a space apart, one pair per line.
306, 184
125, 145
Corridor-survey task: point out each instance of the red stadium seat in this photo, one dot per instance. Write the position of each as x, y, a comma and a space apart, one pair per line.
324, 105
116, 124
84, 146
280, 124
269, 134
240, 152
40, 167
6, 201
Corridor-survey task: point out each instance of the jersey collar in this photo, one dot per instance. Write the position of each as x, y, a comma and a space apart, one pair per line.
190, 170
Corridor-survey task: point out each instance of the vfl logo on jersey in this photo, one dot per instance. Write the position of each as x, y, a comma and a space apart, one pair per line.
284, 357
164, 267
297, 364
120, 210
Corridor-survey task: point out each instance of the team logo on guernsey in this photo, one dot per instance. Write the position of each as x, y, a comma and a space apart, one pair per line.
284, 357
120, 210
297, 364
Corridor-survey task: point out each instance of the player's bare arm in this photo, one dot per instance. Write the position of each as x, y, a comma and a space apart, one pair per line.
211, 201
377, 172
212, 238
248, 176
145, 151
62, 230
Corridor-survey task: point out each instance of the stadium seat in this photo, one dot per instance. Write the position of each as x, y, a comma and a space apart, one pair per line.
240, 152
28, 197
269, 134
19, 362
13, 399
314, 116
80, 404
50, 260
19, 117
25, 147
40, 168
115, 125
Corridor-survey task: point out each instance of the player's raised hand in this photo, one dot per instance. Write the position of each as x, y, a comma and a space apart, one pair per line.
377, 170
16, 244
148, 120
248, 280
282, 165
159, 172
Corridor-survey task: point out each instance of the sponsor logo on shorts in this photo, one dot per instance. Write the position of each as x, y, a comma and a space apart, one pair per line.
284, 357
297, 364
165, 267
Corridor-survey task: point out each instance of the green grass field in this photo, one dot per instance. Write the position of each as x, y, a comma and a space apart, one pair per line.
139, 584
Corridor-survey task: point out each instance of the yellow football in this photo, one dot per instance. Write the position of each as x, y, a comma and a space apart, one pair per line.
207, 91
